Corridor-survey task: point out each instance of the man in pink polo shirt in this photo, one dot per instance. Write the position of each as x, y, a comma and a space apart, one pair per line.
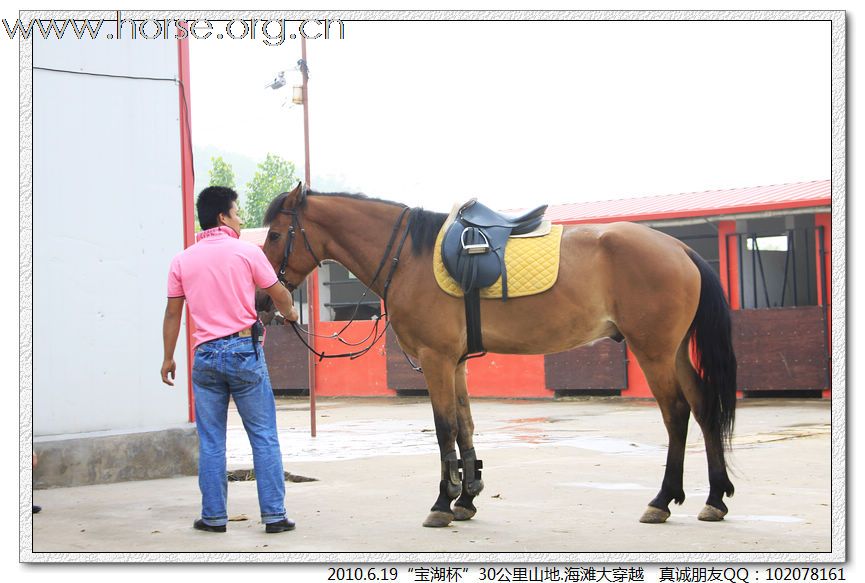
217, 276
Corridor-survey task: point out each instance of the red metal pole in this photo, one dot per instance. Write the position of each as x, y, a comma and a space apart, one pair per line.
823, 263
312, 280
187, 187
728, 255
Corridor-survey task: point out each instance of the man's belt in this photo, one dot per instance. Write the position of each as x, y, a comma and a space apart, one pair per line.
255, 332
245, 333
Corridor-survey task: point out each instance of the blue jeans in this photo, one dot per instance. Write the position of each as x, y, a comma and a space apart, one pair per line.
223, 368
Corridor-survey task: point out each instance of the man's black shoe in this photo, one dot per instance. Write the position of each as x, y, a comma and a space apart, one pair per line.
281, 526
200, 525
37, 509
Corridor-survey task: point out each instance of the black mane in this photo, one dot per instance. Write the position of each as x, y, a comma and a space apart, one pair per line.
356, 196
425, 225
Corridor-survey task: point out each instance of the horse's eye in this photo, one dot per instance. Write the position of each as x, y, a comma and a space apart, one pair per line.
273, 235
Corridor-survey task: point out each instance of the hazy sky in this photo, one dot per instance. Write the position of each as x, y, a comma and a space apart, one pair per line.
530, 112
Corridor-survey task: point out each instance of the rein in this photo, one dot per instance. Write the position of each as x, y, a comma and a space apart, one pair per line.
377, 336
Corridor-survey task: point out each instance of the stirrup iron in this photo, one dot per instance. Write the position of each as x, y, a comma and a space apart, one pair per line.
475, 248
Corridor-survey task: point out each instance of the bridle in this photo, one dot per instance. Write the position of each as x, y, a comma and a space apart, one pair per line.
292, 233
296, 227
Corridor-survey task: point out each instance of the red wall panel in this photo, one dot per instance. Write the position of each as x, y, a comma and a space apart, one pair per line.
638, 386
364, 376
507, 375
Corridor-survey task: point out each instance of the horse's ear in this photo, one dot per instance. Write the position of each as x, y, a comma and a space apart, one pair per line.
295, 197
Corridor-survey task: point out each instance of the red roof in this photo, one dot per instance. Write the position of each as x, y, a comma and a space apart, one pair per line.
733, 201
696, 204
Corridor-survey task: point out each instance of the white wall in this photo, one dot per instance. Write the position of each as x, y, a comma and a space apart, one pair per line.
107, 218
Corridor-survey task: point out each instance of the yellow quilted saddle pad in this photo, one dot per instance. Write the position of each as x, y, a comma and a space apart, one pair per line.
532, 263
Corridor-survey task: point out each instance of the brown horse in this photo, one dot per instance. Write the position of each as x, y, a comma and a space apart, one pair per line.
620, 280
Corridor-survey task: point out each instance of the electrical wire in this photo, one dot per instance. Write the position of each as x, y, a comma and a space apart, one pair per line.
142, 78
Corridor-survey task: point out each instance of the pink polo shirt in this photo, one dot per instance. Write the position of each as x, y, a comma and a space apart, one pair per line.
218, 276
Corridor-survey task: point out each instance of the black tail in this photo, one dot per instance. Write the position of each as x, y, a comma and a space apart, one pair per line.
716, 361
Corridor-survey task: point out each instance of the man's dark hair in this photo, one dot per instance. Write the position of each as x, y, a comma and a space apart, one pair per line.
212, 201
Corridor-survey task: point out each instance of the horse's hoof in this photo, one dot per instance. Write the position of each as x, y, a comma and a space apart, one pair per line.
654, 515
461, 513
711, 514
438, 519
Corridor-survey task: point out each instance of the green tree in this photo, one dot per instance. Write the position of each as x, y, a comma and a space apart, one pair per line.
221, 173
274, 176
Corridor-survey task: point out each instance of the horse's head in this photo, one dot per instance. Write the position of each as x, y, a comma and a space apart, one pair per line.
286, 245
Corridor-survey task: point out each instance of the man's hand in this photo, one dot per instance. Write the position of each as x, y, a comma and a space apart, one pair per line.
292, 316
168, 370
170, 330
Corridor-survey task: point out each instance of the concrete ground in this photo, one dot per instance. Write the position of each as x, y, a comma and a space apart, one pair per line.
570, 476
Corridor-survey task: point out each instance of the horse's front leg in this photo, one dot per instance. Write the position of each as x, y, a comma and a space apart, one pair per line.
438, 371
464, 509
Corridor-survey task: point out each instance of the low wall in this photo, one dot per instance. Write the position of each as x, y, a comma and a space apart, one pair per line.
102, 458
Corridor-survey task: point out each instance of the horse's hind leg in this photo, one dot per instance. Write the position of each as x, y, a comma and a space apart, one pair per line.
676, 413
719, 482
464, 509
439, 374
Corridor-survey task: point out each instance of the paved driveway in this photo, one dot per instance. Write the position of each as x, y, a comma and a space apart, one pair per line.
567, 478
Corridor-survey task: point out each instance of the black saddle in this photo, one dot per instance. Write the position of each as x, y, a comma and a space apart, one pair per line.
473, 248
473, 252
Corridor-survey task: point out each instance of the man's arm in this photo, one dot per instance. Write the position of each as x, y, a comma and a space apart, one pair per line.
282, 299
170, 331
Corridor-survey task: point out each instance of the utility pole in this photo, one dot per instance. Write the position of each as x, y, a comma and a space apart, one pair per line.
312, 280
